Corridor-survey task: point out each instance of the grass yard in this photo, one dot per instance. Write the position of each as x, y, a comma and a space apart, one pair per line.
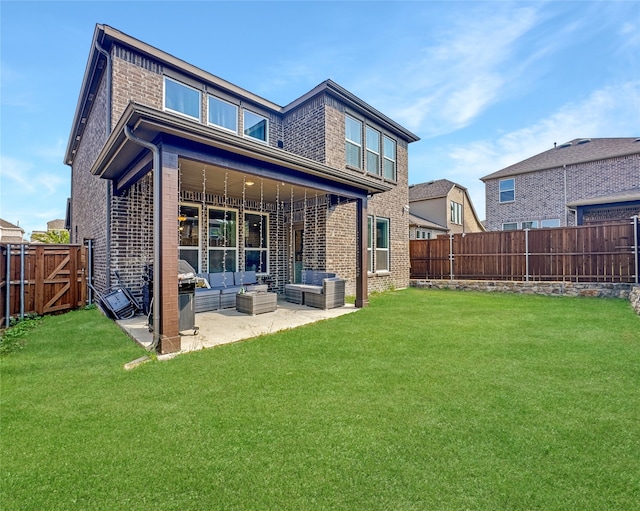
425, 400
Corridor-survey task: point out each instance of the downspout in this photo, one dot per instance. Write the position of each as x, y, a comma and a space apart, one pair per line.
109, 184
566, 210
156, 226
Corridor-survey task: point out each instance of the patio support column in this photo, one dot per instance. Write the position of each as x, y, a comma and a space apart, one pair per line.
167, 274
362, 296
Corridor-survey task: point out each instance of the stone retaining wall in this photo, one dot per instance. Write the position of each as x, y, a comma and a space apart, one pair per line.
596, 289
634, 298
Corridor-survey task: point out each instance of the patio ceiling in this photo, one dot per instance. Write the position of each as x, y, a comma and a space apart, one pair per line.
192, 178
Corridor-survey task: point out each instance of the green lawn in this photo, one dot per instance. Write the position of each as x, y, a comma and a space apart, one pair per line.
425, 400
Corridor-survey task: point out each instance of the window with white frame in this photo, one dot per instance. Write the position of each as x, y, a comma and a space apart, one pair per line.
456, 212
382, 244
256, 126
553, 222
256, 247
531, 224
378, 244
510, 226
181, 99
353, 142
223, 114
189, 234
389, 147
507, 190
222, 232
373, 150
369, 243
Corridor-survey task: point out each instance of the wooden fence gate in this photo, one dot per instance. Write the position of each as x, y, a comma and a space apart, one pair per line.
42, 279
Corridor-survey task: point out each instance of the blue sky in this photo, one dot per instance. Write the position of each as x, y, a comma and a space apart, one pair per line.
484, 84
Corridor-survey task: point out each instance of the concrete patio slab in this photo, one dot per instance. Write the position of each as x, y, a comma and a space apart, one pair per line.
228, 325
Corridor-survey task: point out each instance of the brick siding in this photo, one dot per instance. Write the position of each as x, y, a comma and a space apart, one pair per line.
540, 195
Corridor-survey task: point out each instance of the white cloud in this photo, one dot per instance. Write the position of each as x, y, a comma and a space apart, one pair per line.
607, 112
454, 80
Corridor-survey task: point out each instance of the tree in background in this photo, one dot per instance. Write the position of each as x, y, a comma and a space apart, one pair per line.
54, 236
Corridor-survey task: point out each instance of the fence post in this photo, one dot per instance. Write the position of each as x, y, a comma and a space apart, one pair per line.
526, 254
7, 289
635, 244
450, 256
22, 281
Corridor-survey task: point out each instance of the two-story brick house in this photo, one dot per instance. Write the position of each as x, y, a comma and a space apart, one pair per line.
441, 203
169, 161
584, 181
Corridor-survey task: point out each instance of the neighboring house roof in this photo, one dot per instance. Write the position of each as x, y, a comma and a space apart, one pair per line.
423, 222
55, 225
432, 189
624, 196
10, 233
579, 150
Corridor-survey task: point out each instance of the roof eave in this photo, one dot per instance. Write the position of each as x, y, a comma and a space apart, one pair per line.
136, 115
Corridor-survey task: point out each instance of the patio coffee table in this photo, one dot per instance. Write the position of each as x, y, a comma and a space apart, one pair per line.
256, 302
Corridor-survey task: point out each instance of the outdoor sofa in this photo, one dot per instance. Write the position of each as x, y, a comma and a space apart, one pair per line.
220, 289
319, 289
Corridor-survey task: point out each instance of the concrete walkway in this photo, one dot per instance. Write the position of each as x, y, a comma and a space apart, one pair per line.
227, 325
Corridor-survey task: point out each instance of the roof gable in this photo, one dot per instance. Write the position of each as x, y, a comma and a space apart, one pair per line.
579, 150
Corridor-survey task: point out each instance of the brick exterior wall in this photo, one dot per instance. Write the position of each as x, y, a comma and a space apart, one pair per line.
89, 193
540, 195
134, 78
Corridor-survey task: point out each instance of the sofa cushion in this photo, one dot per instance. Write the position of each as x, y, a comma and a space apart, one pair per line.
245, 278
221, 280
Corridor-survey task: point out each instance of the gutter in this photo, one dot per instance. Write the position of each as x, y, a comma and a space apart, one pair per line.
109, 194
156, 225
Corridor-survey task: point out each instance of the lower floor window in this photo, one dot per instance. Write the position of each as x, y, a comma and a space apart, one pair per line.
256, 249
510, 226
378, 244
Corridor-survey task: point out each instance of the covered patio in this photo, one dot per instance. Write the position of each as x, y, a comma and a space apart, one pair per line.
201, 180
228, 325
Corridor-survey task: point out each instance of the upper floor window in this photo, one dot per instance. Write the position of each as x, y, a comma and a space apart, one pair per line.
389, 158
456, 213
353, 145
256, 126
181, 99
373, 151
223, 114
507, 190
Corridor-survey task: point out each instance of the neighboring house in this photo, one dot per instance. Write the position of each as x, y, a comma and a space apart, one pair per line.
446, 204
56, 226
423, 229
169, 161
10, 233
585, 181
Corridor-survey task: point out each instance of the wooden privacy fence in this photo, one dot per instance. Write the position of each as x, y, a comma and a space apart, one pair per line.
42, 279
597, 253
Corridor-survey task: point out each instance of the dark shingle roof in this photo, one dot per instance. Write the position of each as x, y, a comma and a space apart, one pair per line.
431, 190
8, 225
423, 222
579, 150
